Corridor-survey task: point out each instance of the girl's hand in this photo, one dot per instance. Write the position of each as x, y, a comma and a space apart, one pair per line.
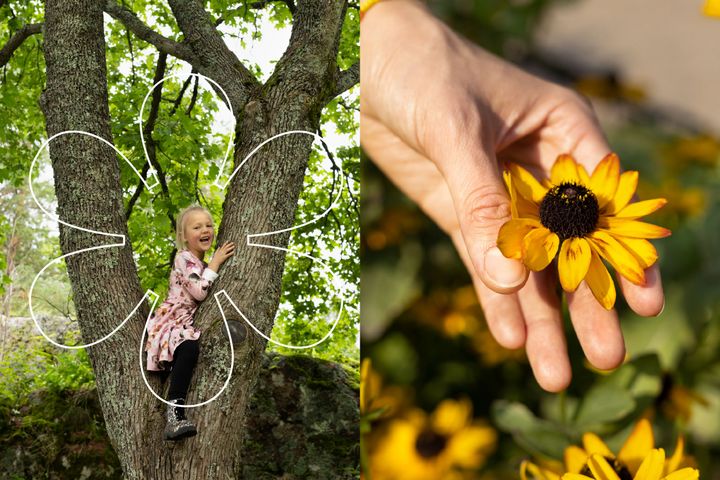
223, 252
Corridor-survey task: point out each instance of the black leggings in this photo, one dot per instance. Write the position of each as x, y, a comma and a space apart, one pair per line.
183, 364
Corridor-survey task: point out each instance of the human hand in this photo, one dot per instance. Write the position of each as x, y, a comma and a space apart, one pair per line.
438, 116
223, 252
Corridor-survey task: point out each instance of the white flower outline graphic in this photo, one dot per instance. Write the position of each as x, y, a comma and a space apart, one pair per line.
151, 295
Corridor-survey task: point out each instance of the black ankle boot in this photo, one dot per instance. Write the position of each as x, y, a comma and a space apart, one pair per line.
178, 426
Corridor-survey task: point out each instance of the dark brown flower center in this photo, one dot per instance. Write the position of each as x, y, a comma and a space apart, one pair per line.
569, 210
619, 468
430, 444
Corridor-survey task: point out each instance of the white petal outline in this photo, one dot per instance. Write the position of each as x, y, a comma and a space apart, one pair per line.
252, 236
150, 293
69, 225
177, 75
191, 405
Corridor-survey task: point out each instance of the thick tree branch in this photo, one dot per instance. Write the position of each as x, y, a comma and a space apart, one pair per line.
214, 58
17, 40
259, 5
264, 3
135, 25
347, 79
311, 57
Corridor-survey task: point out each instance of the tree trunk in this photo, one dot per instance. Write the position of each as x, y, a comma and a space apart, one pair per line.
261, 198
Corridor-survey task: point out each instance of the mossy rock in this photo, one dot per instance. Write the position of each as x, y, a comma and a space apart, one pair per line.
302, 423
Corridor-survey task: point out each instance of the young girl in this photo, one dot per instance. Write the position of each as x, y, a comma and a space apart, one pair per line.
172, 340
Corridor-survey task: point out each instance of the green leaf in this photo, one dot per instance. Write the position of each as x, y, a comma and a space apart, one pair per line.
539, 437
602, 404
387, 290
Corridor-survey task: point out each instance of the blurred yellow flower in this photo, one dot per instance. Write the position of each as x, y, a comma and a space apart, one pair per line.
682, 201
377, 400
702, 150
370, 385
608, 87
638, 459
712, 8
447, 445
581, 218
458, 313
676, 401
391, 228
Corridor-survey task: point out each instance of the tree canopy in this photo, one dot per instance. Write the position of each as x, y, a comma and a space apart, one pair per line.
189, 128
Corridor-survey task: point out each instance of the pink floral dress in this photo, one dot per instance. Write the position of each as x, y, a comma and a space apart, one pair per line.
172, 322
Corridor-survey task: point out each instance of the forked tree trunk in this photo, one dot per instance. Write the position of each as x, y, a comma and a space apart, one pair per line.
262, 197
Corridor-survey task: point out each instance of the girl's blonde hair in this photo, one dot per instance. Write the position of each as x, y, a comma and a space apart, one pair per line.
180, 224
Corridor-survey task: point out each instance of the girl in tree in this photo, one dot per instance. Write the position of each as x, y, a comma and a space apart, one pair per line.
172, 343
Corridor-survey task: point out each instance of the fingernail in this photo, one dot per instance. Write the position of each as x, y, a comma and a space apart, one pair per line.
505, 272
662, 309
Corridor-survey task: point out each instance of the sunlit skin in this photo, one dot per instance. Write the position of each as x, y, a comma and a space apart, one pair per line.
439, 116
199, 233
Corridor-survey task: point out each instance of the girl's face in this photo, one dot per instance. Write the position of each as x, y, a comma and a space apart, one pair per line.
198, 231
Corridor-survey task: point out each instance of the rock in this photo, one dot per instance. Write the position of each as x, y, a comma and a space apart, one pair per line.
302, 423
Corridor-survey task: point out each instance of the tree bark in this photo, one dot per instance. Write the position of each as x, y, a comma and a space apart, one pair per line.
261, 198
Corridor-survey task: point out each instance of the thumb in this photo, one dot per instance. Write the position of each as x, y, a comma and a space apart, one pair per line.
482, 207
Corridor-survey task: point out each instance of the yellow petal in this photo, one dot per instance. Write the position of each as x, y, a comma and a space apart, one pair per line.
625, 191
471, 446
539, 248
583, 174
674, 461
640, 209
519, 206
632, 228
507, 178
536, 472
601, 469
510, 237
594, 445
684, 474
526, 184
575, 476
604, 179
451, 416
643, 251
600, 282
621, 259
652, 467
564, 170
575, 459
637, 446
573, 262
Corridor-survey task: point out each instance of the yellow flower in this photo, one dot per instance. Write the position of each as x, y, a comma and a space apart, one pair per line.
638, 459
370, 385
448, 445
377, 400
581, 219
712, 8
